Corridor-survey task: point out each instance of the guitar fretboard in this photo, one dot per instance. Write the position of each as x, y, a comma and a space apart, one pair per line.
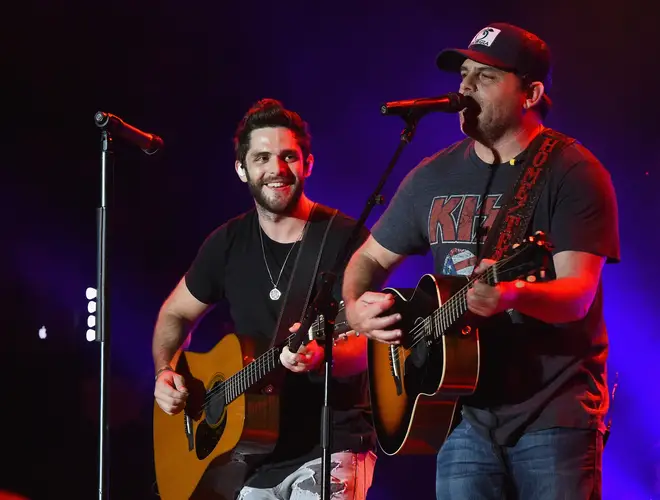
256, 370
443, 318
527, 259
244, 379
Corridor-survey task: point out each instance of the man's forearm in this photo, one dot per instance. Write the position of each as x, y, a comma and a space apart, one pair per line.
362, 274
169, 334
560, 301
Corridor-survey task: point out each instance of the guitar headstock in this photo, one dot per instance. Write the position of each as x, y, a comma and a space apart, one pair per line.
528, 260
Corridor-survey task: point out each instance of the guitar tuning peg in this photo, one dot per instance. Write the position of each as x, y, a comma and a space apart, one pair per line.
531, 278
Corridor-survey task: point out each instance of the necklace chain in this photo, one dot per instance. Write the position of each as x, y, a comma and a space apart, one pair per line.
275, 293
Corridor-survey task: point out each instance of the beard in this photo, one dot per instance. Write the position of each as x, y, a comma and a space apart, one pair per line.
277, 201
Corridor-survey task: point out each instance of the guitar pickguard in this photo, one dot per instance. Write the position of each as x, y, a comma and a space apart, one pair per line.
207, 438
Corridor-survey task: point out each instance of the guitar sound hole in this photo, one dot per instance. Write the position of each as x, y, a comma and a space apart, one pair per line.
419, 355
215, 406
210, 430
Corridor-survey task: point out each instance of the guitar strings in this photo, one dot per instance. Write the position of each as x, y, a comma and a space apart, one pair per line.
447, 313
232, 385
443, 318
243, 376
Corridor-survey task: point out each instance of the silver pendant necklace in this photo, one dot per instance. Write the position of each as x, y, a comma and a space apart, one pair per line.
275, 293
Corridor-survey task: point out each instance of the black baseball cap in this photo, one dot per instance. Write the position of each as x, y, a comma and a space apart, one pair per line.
506, 47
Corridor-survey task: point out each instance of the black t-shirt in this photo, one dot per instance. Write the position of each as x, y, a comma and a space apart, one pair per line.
231, 265
533, 375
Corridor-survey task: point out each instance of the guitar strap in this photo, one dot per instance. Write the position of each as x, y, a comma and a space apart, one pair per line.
303, 277
241, 464
513, 219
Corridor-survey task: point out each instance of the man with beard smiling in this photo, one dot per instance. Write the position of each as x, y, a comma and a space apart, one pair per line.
248, 261
534, 426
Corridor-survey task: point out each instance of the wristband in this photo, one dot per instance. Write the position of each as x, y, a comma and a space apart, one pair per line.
163, 369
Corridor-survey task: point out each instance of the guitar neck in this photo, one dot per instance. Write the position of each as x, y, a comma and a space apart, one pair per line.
443, 318
529, 258
252, 373
255, 371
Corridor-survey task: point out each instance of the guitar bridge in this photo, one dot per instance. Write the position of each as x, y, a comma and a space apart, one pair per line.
187, 424
396, 369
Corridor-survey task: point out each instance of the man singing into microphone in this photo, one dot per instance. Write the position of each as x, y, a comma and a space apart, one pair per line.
533, 429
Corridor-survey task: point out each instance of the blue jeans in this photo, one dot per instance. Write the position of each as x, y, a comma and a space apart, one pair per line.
557, 463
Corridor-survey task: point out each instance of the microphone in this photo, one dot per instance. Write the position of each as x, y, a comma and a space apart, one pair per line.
149, 143
448, 103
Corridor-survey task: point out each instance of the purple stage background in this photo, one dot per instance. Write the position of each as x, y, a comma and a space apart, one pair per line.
188, 73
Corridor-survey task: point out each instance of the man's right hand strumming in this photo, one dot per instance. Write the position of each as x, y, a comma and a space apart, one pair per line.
176, 315
365, 310
364, 316
170, 392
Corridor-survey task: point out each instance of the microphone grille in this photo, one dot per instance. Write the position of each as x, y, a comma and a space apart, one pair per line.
458, 101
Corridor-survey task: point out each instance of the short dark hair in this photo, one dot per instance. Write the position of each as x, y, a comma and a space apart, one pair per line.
270, 113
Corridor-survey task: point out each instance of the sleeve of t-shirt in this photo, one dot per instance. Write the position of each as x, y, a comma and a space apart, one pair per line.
205, 276
585, 217
398, 229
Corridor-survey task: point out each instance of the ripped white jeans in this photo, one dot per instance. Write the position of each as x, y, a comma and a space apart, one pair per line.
350, 479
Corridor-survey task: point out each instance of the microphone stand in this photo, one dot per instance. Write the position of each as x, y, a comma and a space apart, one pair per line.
149, 145
324, 303
103, 317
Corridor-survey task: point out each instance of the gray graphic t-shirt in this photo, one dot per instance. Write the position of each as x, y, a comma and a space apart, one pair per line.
533, 375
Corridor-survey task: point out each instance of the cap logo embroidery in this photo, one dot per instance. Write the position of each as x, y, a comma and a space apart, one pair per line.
485, 37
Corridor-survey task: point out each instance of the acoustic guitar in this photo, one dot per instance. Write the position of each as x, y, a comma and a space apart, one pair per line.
415, 386
232, 405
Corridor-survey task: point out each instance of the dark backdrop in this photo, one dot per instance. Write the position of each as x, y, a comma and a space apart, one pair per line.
188, 73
